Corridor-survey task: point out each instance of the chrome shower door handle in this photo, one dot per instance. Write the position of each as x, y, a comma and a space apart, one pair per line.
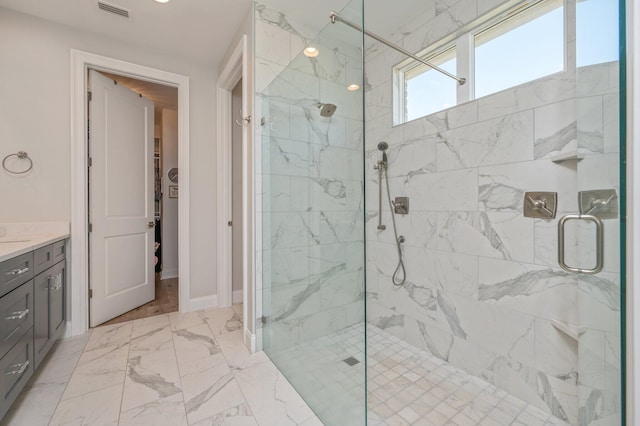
599, 243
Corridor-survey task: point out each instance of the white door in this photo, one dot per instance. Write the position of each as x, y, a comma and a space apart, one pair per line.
121, 270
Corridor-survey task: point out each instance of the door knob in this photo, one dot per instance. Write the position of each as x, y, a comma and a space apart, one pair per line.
151, 224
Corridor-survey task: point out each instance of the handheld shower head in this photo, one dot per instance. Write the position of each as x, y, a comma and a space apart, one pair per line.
383, 146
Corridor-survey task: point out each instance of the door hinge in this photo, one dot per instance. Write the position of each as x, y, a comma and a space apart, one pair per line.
90, 293
89, 96
263, 319
90, 161
90, 227
230, 223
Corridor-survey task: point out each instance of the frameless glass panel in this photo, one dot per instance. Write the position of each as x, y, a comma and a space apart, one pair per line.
428, 91
597, 42
310, 86
523, 48
600, 302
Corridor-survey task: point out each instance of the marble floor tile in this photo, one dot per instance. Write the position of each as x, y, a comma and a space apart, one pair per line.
224, 320
109, 335
271, 397
151, 376
239, 415
210, 392
188, 320
36, 405
100, 408
98, 369
167, 411
196, 349
236, 353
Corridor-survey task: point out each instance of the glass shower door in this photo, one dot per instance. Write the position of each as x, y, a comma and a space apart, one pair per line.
600, 248
311, 141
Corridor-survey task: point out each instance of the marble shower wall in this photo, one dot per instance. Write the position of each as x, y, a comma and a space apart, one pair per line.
311, 175
484, 290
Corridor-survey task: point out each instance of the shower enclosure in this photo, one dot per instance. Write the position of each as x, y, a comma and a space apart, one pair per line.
512, 306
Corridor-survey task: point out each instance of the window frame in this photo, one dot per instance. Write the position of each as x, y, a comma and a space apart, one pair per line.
463, 41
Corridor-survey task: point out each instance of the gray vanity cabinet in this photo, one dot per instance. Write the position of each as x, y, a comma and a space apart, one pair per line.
32, 315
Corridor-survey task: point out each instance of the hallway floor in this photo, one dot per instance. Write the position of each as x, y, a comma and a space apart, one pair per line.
173, 370
166, 302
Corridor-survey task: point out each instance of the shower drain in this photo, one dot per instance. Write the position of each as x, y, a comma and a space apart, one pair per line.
351, 361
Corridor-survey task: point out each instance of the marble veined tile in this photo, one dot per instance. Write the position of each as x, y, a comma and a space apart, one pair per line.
166, 411
196, 350
210, 392
239, 415
98, 369
191, 319
151, 376
506, 139
236, 353
225, 320
271, 398
95, 408
61, 361
36, 404
109, 335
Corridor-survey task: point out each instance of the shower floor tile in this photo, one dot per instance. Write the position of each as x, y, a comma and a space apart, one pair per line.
406, 386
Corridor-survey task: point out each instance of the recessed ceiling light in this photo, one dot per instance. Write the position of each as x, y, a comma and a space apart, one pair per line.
311, 52
162, 1
353, 87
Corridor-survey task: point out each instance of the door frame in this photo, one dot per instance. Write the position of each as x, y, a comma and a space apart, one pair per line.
81, 61
233, 70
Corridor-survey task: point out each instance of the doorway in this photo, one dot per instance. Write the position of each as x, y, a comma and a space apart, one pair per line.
81, 63
236, 194
165, 196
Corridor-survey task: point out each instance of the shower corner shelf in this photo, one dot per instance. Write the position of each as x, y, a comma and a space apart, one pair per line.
570, 330
567, 156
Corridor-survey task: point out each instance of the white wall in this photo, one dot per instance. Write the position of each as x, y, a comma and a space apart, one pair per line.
169, 205
34, 117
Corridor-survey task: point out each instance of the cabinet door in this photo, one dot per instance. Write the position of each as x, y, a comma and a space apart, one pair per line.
57, 280
41, 316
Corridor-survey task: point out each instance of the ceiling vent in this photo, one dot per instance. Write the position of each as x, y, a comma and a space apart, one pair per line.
112, 8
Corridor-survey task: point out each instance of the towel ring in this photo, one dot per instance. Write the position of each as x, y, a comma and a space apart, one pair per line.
22, 156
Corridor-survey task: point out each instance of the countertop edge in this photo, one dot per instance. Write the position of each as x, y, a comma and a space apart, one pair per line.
35, 242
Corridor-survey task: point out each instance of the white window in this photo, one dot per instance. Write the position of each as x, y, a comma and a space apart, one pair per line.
523, 44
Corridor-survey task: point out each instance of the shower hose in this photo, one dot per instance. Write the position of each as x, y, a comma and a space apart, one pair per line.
399, 271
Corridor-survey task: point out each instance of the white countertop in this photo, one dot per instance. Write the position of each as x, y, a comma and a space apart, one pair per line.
16, 245
20, 238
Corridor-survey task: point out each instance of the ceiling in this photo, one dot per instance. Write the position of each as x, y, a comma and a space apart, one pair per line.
197, 30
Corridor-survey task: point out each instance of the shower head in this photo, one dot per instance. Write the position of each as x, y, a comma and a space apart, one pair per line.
326, 110
383, 146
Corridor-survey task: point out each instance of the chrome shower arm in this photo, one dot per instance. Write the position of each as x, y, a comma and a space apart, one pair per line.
335, 17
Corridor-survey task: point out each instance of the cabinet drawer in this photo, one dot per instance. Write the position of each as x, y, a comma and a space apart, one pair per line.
16, 316
43, 258
16, 367
16, 271
59, 251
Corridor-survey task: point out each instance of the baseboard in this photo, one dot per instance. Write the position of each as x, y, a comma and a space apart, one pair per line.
67, 331
236, 297
169, 273
205, 302
250, 340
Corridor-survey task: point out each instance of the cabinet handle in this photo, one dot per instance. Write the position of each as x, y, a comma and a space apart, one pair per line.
19, 368
58, 281
17, 315
18, 271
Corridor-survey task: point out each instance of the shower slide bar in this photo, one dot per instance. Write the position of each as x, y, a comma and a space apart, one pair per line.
335, 17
